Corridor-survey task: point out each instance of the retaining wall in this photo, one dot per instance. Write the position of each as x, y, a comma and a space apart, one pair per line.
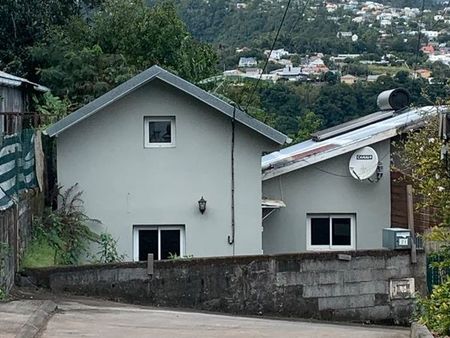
305, 285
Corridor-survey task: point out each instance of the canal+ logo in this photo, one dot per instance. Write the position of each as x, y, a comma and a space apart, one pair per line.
364, 157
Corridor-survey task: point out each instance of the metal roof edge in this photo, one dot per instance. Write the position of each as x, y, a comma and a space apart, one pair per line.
106, 99
351, 125
175, 81
223, 106
271, 173
16, 81
395, 129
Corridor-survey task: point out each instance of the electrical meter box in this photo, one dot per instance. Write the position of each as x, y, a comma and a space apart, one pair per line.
396, 238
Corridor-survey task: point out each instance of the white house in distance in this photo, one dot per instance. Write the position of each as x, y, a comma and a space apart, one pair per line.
277, 54
319, 202
247, 62
151, 152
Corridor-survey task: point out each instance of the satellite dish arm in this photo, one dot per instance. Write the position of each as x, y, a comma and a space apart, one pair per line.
354, 172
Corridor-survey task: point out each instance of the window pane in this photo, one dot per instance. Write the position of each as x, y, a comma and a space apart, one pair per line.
148, 243
320, 231
341, 231
160, 132
170, 243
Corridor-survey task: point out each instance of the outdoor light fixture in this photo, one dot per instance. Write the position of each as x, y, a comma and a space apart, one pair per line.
202, 205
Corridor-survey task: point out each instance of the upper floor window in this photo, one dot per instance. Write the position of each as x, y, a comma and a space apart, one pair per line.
159, 131
330, 232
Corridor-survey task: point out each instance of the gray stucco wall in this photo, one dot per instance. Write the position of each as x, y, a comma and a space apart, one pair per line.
126, 184
314, 189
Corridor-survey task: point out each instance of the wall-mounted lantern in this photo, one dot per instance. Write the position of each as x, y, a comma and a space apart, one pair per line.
202, 205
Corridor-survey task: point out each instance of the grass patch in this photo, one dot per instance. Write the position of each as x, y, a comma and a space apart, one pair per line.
389, 70
39, 254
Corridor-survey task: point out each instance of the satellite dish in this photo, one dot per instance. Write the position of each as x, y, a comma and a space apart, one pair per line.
363, 163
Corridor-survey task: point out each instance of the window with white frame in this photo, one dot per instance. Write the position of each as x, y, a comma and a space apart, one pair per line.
161, 241
330, 232
159, 131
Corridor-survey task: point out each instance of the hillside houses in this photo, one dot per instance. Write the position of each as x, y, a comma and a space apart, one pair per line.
388, 24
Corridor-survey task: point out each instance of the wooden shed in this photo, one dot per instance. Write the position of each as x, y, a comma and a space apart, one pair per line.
16, 102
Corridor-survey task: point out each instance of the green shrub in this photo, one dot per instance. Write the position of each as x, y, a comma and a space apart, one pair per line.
66, 229
39, 254
434, 311
108, 249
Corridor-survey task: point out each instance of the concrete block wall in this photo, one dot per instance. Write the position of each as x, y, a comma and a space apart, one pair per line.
305, 285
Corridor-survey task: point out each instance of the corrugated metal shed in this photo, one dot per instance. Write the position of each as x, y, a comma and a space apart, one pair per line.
309, 152
15, 101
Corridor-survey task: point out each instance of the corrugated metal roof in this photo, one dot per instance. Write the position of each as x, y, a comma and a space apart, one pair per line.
351, 125
309, 152
175, 81
15, 81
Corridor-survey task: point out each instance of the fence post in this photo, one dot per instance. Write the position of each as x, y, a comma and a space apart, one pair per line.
150, 264
410, 206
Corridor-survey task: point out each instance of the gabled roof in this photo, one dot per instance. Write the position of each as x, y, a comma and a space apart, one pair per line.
156, 72
10, 80
310, 152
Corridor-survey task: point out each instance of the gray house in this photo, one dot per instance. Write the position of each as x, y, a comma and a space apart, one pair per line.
167, 167
318, 203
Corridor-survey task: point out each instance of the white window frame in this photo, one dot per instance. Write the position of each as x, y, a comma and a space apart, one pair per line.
147, 143
331, 247
138, 228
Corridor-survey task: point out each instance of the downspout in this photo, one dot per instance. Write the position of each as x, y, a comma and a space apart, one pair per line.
233, 225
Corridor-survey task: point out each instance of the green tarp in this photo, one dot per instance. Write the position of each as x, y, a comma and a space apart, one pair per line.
17, 166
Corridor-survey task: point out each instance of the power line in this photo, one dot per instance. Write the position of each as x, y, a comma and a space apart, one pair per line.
268, 56
300, 16
419, 36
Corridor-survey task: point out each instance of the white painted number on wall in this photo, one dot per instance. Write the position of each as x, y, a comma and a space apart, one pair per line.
403, 241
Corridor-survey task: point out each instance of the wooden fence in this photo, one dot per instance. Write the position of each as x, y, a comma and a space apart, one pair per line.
423, 218
15, 234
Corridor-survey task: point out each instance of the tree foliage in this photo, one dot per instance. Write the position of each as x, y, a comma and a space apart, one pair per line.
90, 55
308, 124
25, 22
434, 312
420, 159
285, 105
50, 108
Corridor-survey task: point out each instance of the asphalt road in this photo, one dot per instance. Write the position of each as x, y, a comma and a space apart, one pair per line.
106, 319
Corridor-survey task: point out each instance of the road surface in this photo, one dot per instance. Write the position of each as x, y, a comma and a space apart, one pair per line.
107, 319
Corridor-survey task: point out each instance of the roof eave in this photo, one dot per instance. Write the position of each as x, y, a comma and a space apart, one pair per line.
101, 102
183, 85
226, 108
